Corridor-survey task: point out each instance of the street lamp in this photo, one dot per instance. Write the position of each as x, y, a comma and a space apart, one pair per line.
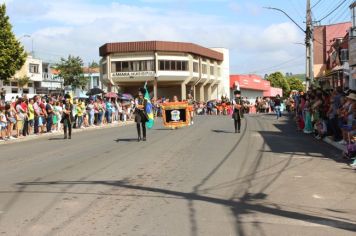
29, 36
308, 32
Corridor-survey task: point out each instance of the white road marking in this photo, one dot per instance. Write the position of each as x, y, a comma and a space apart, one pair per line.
317, 196
298, 176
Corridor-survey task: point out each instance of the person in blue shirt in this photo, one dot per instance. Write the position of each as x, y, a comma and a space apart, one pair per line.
108, 111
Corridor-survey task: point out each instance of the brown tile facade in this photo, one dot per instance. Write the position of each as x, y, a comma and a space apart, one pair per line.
145, 46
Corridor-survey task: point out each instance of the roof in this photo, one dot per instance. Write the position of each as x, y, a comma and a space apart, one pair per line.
91, 70
145, 46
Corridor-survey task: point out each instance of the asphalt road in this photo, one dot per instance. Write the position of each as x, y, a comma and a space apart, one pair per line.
199, 180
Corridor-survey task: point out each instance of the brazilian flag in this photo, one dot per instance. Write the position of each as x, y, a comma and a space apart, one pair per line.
149, 109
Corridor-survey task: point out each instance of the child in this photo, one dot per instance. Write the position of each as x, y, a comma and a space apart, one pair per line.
3, 126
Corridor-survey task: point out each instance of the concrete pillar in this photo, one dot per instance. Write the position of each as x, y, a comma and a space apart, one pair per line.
208, 95
155, 83
201, 92
183, 91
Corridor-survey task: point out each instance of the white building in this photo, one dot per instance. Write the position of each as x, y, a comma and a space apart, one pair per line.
170, 68
41, 80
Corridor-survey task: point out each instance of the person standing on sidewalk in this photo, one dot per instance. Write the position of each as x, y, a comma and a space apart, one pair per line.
237, 114
67, 117
31, 116
49, 118
277, 106
37, 113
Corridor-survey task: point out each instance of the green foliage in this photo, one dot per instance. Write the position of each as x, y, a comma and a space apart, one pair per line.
12, 54
93, 64
23, 81
295, 84
278, 80
71, 71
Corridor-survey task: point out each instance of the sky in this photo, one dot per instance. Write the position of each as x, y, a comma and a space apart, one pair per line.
259, 40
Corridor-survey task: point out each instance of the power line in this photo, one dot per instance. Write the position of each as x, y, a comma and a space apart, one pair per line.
316, 4
297, 10
274, 66
342, 16
342, 2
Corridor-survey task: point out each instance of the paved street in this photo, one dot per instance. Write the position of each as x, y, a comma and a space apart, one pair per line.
199, 180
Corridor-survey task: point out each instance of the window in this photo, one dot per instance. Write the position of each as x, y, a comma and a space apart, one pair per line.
219, 72
195, 67
204, 68
173, 65
34, 68
161, 65
129, 66
25, 90
29, 85
184, 65
167, 65
6, 83
211, 70
150, 65
14, 90
13, 83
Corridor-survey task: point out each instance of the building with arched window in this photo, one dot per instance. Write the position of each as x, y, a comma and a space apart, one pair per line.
170, 68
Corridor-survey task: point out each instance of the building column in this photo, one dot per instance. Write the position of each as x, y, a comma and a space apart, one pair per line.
155, 82
201, 93
184, 88
209, 92
183, 91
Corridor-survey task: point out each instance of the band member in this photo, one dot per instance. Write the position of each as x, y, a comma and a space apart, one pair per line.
175, 98
67, 118
191, 107
140, 115
238, 110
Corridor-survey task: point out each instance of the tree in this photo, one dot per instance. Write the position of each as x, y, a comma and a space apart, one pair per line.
279, 81
93, 64
22, 81
295, 84
12, 54
71, 71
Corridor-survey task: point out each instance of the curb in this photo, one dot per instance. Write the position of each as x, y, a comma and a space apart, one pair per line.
341, 147
46, 135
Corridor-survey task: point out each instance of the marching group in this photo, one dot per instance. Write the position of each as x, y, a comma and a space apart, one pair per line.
328, 113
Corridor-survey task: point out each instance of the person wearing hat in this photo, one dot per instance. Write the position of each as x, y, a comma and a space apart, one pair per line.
238, 110
140, 115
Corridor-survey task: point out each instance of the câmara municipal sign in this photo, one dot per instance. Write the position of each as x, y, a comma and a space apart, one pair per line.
133, 74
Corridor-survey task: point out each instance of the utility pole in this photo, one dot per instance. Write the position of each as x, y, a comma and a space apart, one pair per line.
309, 47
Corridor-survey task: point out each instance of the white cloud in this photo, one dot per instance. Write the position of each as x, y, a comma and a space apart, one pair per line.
84, 27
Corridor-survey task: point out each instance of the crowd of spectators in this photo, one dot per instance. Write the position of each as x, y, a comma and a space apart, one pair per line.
325, 113
23, 116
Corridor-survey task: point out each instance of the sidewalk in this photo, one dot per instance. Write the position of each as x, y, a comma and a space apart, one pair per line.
60, 133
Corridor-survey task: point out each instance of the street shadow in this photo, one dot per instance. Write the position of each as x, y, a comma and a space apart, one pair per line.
247, 204
56, 138
286, 140
126, 140
222, 131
